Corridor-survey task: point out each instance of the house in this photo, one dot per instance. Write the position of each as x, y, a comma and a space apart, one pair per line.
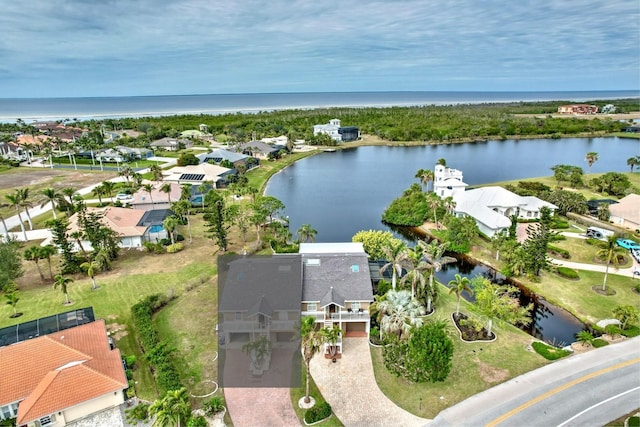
171, 144
578, 109
278, 140
337, 132
62, 377
134, 226
122, 154
199, 174
626, 213
257, 149
490, 206
236, 159
157, 199
336, 287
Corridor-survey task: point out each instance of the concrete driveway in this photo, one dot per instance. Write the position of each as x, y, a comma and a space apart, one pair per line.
350, 388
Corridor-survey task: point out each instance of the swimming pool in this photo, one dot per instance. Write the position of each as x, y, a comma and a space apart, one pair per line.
156, 229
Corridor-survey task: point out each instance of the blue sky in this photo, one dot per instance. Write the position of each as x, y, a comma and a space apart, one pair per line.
155, 47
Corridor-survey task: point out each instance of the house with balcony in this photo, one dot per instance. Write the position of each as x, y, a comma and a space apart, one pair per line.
336, 287
62, 377
337, 132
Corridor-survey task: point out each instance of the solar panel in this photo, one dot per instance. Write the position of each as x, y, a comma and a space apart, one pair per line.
191, 177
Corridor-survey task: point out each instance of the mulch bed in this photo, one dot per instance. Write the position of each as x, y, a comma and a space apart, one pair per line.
469, 333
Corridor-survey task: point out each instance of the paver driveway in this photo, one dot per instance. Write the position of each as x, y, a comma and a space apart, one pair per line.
351, 389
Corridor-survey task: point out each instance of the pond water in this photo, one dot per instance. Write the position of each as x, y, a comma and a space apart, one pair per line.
340, 193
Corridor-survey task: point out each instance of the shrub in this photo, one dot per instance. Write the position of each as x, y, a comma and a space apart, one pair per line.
176, 247
549, 352
613, 330
599, 342
559, 251
317, 413
138, 413
568, 273
631, 332
214, 405
198, 421
585, 337
130, 361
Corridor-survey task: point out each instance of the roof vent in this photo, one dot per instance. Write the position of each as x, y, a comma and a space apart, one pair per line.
355, 268
313, 261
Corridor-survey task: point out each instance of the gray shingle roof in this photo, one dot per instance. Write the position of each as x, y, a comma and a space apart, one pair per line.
348, 274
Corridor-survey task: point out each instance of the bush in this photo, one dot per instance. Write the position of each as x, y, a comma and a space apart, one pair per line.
213, 406
317, 413
130, 361
198, 421
176, 247
568, 273
549, 352
558, 251
139, 412
599, 342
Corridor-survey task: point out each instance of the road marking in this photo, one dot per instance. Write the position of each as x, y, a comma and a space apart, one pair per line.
559, 389
598, 404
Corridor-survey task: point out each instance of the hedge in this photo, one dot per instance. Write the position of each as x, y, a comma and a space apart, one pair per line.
317, 413
559, 251
568, 273
549, 352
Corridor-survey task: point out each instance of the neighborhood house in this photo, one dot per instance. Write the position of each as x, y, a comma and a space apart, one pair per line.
337, 132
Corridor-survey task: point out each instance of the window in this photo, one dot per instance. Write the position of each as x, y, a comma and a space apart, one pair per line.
237, 316
47, 421
312, 306
355, 306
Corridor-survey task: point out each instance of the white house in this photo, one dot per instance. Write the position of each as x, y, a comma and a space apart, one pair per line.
330, 129
490, 206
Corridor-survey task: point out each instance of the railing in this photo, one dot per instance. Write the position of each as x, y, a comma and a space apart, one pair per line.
242, 326
282, 325
319, 315
344, 315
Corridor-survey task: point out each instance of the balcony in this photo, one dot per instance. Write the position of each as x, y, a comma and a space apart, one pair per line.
354, 315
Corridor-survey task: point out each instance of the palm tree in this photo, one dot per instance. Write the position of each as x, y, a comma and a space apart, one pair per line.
91, 267
14, 202
400, 313
185, 192
458, 286
306, 233
173, 409
434, 202
69, 192
434, 254
417, 266
170, 224
609, 250
396, 257
12, 300
312, 340
46, 252
156, 172
203, 188
25, 203
166, 188
425, 176
51, 196
127, 172
591, 158
62, 282
182, 208
149, 189
108, 187
33, 254
98, 191
331, 337
633, 161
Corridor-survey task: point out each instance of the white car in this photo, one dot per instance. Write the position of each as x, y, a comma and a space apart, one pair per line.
123, 196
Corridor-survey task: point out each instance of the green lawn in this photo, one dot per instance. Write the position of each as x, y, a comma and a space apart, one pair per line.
475, 366
583, 252
259, 176
297, 393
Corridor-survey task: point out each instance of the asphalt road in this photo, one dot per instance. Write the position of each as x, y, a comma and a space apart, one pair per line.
588, 389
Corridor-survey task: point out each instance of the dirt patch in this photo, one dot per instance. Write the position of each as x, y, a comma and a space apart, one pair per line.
46, 177
578, 347
490, 374
608, 292
116, 330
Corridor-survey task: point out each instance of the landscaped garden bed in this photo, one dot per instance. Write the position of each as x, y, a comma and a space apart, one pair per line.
470, 329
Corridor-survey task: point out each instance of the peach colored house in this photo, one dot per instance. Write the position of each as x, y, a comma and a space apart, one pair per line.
626, 213
58, 378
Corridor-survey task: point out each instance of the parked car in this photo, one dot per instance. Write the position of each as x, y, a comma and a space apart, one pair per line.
123, 196
627, 244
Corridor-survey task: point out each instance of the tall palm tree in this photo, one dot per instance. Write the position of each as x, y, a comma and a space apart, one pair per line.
400, 313
51, 196
609, 250
185, 192
25, 203
434, 254
149, 189
306, 233
156, 172
108, 187
127, 172
425, 176
417, 266
458, 286
98, 191
170, 224
62, 282
633, 161
33, 254
203, 188
396, 257
182, 208
46, 252
14, 202
591, 158
311, 343
69, 192
166, 188
434, 202
91, 267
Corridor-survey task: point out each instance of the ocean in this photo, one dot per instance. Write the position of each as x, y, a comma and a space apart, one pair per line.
38, 109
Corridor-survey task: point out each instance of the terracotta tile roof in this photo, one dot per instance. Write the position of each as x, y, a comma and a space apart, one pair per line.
121, 220
53, 372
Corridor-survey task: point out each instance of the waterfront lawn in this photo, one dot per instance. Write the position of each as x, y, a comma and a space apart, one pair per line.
475, 366
259, 176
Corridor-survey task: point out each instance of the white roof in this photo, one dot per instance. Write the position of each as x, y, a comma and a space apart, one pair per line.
452, 182
483, 214
332, 248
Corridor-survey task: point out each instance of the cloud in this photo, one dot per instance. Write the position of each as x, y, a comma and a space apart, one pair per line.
84, 48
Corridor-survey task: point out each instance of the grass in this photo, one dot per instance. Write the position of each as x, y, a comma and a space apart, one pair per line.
584, 253
259, 176
475, 366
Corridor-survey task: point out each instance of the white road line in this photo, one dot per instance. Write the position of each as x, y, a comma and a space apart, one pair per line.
597, 404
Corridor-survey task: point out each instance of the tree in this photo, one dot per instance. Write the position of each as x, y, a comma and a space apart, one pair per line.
374, 241
626, 314
59, 230
460, 232
217, 223
62, 282
331, 337
458, 286
182, 208
174, 409
434, 202
10, 263
306, 233
311, 341
91, 267
609, 251
46, 252
395, 257
499, 302
417, 266
535, 247
399, 313
170, 224
203, 189
98, 191
166, 188
591, 158
429, 353
69, 192
434, 254
33, 254
12, 300
25, 203
14, 202
425, 176
5, 229
108, 187
127, 172
149, 189
442, 162
51, 196
156, 173
632, 162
